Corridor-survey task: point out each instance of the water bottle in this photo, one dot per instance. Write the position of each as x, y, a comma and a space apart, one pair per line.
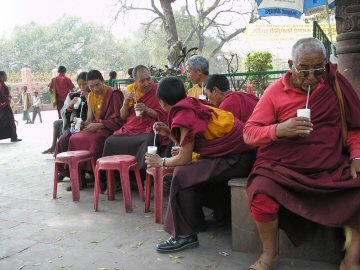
72, 129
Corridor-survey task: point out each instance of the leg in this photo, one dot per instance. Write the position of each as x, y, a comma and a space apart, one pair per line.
265, 212
352, 256
40, 116
97, 188
56, 134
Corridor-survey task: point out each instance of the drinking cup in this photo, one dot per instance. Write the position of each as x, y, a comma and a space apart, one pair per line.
152, 150
303, 113
202, 97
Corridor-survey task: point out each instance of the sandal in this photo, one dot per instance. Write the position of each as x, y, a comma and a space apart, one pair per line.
343, 266
265, 262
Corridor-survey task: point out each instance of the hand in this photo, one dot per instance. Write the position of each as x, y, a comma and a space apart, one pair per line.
140, 107
161, 129
153, 160
73, 102
175, 151
297, 126
93, 127
355, 167
129, 96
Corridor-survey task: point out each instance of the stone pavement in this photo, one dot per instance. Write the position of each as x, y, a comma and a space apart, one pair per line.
40, 233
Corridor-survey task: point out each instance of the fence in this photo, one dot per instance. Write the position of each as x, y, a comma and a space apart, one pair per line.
255, 82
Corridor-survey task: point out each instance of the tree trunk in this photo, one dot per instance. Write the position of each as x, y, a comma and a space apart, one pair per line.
170, 24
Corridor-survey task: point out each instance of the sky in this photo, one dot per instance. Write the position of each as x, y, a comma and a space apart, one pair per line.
19, 12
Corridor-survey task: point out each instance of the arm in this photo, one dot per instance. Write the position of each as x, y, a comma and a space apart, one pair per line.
124, 111
354, 149
183, 158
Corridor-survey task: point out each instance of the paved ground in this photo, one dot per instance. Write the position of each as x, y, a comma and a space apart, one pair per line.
38, 232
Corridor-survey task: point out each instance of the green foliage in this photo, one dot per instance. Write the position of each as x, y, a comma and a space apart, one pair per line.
257, 62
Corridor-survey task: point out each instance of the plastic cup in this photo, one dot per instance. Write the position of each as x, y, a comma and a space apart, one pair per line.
78, 124
138, 113
152, 150
202, 97
303, 113
77, 104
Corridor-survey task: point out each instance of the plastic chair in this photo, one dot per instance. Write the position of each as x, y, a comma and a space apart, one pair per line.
159, 175
121, 163
72, 159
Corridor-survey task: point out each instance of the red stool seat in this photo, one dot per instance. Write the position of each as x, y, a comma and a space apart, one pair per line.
72, 159
159, 175
121, 163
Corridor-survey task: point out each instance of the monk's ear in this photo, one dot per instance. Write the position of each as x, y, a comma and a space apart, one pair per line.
290, 62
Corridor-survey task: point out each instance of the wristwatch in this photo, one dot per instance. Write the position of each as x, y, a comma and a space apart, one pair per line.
163, 162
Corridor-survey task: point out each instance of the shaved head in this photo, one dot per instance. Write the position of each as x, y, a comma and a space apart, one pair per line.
307, 46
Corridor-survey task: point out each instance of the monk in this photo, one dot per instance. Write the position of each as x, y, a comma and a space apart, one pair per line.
140, 109
240, 104
213, 133
306, 172
197, 68
75, 108
61, 86
103, 117
7, 121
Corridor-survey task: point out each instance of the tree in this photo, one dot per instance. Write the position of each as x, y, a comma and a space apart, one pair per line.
215, 19
259, 62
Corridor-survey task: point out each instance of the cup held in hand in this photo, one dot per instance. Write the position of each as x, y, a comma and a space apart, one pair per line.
202, 97
303, 113
152, 150
138, 113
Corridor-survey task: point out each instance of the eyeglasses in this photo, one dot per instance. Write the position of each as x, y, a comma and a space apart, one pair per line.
304, 73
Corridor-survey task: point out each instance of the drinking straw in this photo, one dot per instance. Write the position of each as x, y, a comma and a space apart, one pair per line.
154, 138
202, 88
307, 99
82, 105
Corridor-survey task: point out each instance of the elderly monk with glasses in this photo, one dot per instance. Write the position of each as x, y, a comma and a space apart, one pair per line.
307, 170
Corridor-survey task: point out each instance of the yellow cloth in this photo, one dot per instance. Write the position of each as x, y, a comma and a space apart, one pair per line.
96, 101
138, 94
195, 91
218, 127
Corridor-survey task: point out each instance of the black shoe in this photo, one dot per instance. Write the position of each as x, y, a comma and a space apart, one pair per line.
178, 244
16, 140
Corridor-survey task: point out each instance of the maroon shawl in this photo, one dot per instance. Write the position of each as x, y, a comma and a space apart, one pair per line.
240, 104
192, 114
109, 117
310, 176
143, 124
5, 97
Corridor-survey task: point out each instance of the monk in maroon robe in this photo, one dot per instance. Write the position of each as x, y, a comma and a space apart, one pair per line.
213, 133
306, 172
140, 109
7, 121
102, 120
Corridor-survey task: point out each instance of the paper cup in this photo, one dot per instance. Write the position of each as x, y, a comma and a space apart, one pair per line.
202, 97
138, 113
152, 150
303, 113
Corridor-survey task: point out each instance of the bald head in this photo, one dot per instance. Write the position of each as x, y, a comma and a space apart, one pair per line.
307, 46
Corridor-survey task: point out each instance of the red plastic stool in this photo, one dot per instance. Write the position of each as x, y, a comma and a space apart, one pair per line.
159, 175
122, 163
72, 159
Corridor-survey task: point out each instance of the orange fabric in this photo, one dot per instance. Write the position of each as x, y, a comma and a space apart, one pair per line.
222, 123
195, 91
95, 101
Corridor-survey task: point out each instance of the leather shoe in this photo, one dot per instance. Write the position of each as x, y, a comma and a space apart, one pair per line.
16, 140
178, 244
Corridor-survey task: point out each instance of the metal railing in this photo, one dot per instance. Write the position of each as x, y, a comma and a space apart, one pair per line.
254, 82
320, 34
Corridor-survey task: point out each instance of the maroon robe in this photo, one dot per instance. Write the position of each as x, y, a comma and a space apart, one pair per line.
240, 104
222, 158
143, 124
7, 122
109, 117
310, 176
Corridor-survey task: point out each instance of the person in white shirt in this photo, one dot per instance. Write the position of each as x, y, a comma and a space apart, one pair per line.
36, 106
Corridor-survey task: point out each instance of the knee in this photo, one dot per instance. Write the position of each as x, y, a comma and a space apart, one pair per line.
264, 208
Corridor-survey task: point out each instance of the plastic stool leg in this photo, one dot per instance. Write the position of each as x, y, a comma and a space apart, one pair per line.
74, 179
56, 172
110, 185
97, 188
139, 182
159, 195
125, 183
148, 193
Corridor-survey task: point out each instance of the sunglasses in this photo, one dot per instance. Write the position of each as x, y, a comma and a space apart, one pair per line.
304, 73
